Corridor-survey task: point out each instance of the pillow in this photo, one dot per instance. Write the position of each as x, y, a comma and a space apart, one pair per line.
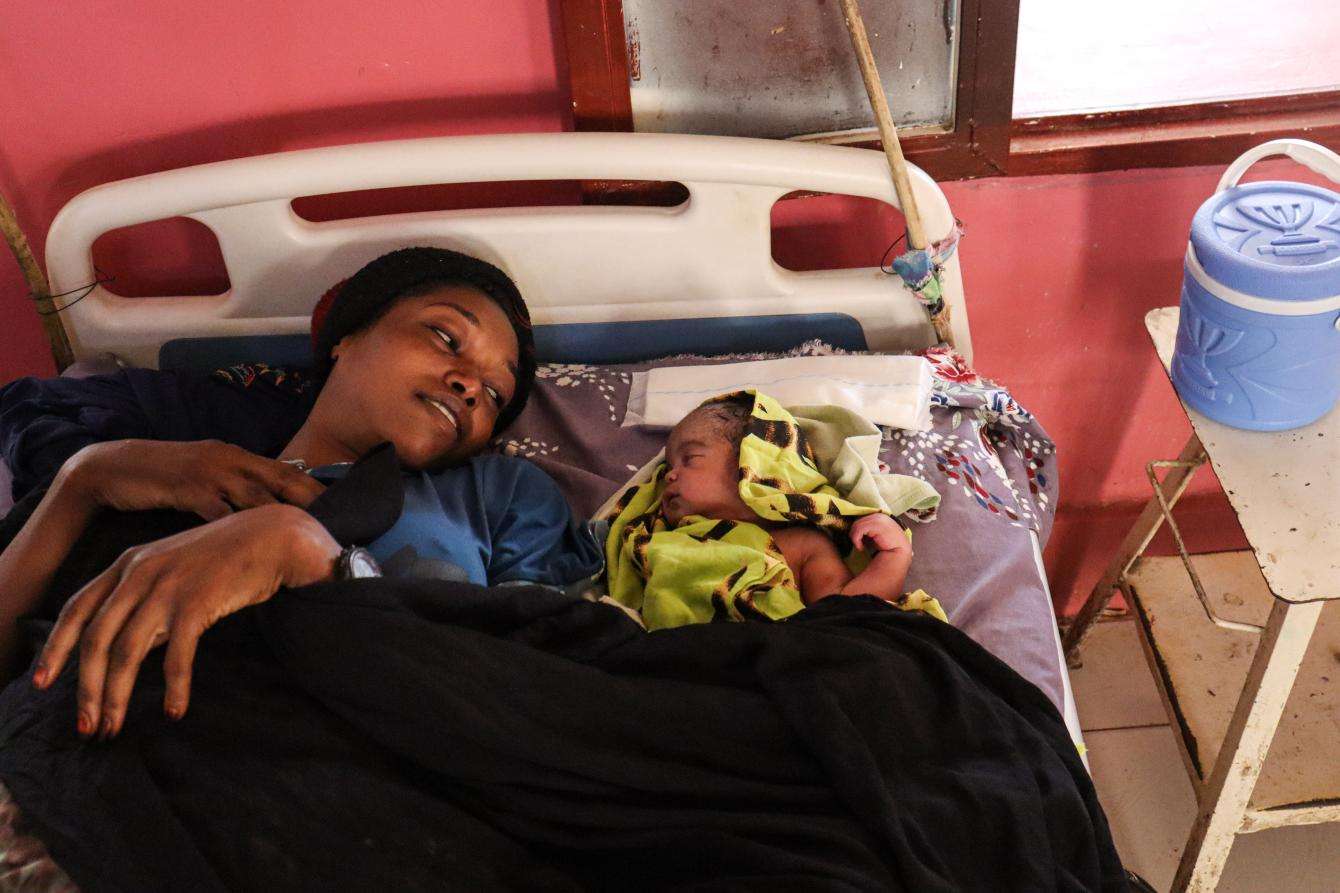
894, 391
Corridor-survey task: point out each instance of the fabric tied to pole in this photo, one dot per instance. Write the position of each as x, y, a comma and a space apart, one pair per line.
920, 270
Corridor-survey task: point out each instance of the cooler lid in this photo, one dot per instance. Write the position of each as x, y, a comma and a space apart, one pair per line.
1272, 239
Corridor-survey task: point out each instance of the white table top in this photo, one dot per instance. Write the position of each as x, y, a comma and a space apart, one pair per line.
1284, 486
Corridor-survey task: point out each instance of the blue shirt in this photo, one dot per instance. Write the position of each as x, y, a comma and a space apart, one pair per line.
495, 519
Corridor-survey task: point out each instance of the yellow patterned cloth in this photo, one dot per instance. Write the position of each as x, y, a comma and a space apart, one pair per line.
706, 570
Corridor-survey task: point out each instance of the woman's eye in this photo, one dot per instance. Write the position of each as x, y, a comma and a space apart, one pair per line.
446, 338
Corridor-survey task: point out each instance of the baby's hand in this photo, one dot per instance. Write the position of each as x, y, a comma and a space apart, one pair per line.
880, 531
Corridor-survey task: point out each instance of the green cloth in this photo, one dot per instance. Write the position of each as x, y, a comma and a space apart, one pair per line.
706, 569
846, 450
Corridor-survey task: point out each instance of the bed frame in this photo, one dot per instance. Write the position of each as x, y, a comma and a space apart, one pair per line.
707, 257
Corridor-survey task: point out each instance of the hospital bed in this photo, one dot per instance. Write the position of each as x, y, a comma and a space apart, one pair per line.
612, 289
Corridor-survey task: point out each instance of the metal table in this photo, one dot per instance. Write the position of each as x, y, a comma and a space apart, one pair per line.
1216, 624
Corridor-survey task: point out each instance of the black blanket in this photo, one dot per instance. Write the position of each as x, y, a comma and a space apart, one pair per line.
426, 735
423, 735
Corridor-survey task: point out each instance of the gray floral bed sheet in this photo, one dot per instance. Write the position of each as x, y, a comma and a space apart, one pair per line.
990, 460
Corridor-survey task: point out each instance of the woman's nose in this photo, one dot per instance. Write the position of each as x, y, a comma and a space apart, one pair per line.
464, 387
672, 475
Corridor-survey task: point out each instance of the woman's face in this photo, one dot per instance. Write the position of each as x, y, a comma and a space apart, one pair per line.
430, 376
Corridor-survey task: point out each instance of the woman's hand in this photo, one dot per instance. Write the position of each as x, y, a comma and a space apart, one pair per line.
208, 477
880, 531
172, 591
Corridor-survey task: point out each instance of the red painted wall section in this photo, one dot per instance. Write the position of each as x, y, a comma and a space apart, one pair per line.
1059, 270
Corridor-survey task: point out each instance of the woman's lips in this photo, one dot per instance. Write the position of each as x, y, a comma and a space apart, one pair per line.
445, 415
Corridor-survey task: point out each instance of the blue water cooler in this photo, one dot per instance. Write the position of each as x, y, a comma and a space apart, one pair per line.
1258, 344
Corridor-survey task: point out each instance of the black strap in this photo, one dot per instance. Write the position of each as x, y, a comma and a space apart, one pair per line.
366, 502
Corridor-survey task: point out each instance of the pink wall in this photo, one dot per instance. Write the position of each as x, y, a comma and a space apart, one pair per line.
91, 92
1059, 270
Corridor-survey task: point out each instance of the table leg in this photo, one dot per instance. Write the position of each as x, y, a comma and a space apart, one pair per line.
1224, 797
1132, 547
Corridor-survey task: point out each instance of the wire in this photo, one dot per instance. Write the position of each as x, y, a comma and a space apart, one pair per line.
886, 267
101, 279
884, 264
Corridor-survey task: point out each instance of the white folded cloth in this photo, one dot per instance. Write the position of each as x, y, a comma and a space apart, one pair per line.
888, 390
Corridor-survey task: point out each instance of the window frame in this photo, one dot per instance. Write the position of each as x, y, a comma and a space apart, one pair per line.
986, 140
1169, 136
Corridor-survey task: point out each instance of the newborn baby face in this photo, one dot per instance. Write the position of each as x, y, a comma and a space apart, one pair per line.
704, 474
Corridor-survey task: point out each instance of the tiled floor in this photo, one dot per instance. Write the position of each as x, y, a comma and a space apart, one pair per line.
1145, 790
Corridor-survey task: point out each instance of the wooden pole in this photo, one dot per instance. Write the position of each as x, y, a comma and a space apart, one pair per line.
888, 134
893, 150
37, 285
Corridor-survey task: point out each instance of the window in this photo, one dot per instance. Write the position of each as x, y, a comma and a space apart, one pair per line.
1138, 54
785, 69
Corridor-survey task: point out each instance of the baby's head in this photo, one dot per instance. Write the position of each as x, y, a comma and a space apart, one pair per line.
703, 455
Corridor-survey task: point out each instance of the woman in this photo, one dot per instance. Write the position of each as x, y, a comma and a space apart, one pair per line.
426, 349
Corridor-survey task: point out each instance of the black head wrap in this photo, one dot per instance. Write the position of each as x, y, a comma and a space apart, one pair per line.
365, 296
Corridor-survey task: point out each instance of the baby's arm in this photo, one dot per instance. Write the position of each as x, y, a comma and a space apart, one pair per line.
887, 572
823, 573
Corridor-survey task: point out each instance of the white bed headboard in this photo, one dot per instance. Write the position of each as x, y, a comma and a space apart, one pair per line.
710, 256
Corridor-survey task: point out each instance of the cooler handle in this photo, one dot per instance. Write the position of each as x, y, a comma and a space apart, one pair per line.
1310, 155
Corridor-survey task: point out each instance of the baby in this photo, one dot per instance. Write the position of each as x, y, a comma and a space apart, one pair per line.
703, 478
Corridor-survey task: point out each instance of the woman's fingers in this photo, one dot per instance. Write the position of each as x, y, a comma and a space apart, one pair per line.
295, 487
74, 616
284, 482
206, 503
104, 632
172, 590
145, 629
246, 493
177, 664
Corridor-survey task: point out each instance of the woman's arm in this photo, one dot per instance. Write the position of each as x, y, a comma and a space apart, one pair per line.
208, 478
43, 422
171, 591
31, 559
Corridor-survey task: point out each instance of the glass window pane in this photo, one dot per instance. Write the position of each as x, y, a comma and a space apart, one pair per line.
1082, 57
785, 68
